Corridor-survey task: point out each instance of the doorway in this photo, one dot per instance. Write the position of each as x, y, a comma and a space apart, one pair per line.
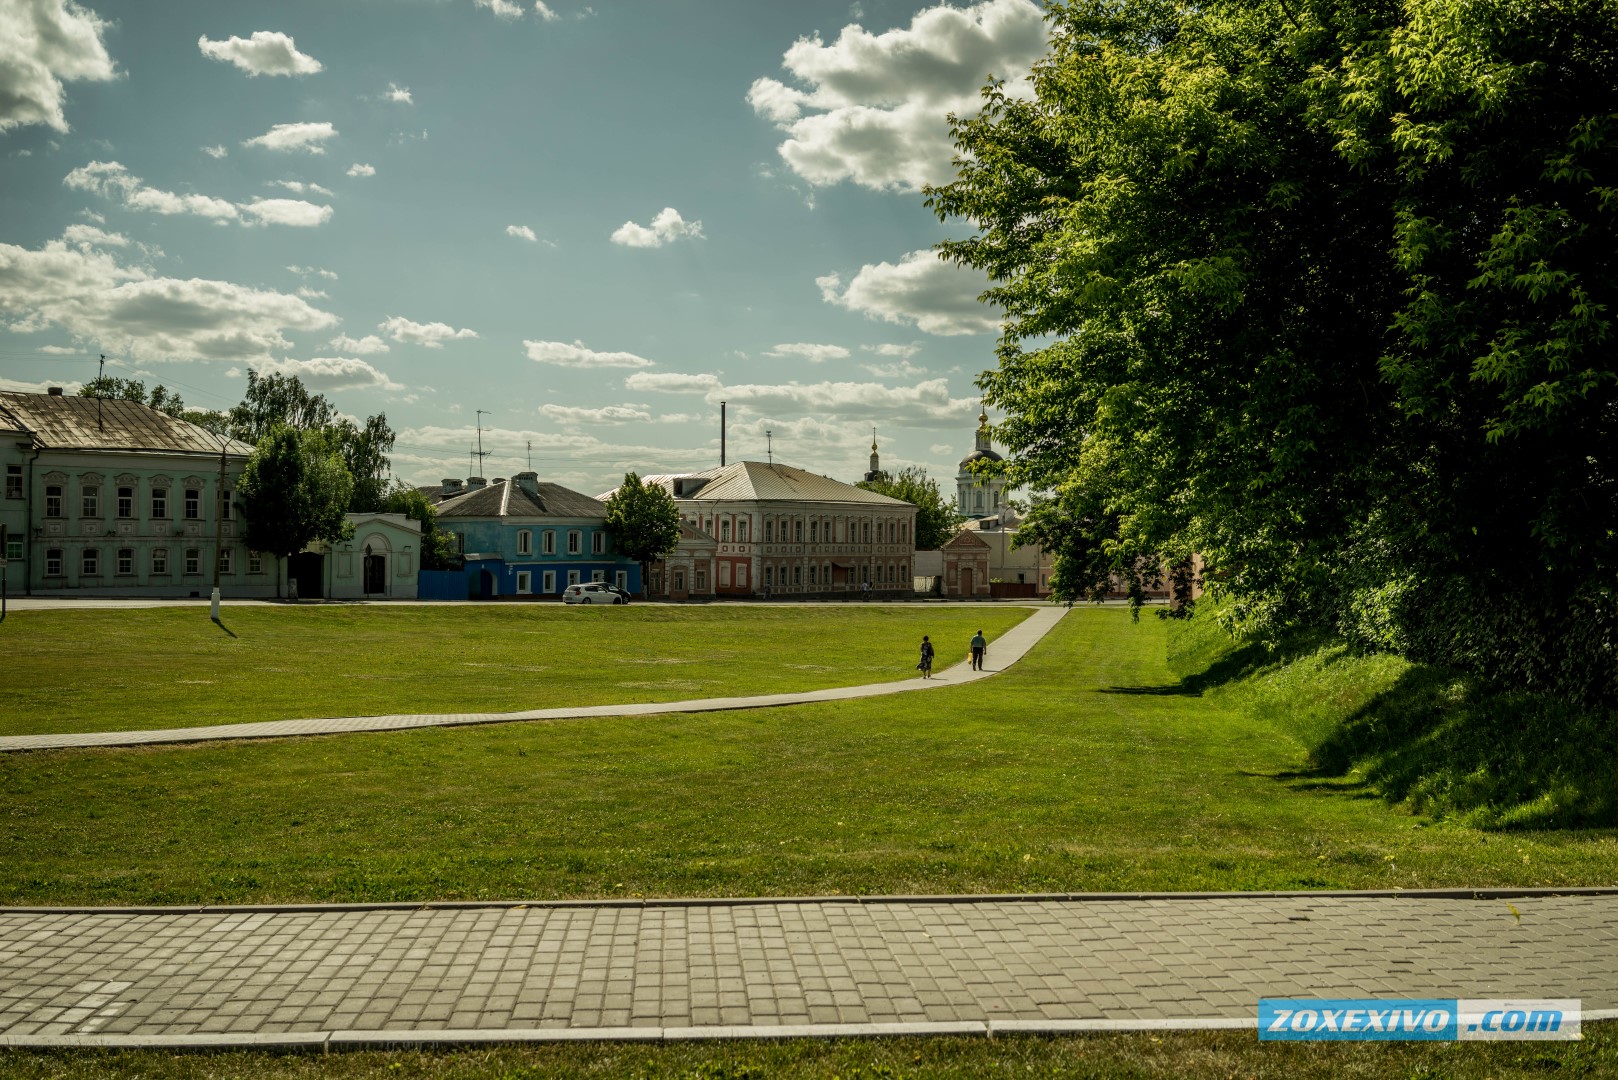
966, 581
376, 574
307, 568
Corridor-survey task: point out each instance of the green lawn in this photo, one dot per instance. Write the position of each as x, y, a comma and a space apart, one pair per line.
1086, 767
1214, 1056
70, 671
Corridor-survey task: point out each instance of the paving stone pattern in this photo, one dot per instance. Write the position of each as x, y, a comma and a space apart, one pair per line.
1004, 651
256, 974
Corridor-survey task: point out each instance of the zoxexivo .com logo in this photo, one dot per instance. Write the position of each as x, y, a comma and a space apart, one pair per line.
1432, 1019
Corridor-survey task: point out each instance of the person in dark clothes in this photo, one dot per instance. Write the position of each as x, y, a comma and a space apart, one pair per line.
980, 646
926, 665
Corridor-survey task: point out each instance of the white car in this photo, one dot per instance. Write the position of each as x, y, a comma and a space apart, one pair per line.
592, 592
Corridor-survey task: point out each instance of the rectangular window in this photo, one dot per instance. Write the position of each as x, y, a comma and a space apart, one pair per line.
126, 502
90, 563
769, 576
572, 577
797, 575
126, 561
226, 561
193, 560
814, 575
573, 542
547, 543
679, 581
525, 546
53, 562
598, 543
460, 543
193, 504
700, 580
867, 532
621, 579
769, 532
598, 575
13, 481
91, 502
225, 508
13, 549
724, 574
160, 561
814, 532
525, 580
797, 531
741, 531
53, 501
548, 581
255, 562
160, 503
724, 530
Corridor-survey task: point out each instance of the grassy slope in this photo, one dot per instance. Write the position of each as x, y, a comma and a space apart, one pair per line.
1215, 1056
1088, 766
1434, 741
68, 671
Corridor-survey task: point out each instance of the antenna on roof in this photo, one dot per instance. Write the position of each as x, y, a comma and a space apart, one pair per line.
721, 434
101, 391
530, 455
481, 454
769, 447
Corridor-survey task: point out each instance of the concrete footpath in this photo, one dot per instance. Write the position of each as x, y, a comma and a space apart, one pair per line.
1003, 652
660, 969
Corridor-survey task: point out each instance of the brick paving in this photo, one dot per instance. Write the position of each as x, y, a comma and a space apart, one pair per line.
705, 968
1005, 651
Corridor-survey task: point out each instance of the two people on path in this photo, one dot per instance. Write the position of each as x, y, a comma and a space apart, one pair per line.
980, 648
926, 665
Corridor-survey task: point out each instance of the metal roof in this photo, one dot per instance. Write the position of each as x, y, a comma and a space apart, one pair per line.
507, 499
70, 422
763, 482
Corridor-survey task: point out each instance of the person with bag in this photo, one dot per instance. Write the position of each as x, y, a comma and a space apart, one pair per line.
980, 646
926, 665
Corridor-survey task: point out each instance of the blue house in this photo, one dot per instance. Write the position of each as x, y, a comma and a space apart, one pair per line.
523, 538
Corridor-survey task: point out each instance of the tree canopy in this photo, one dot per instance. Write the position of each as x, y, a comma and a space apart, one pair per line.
111, 388
275, 399
643, 521
936, 519
1323, 292
293, 490
437, 547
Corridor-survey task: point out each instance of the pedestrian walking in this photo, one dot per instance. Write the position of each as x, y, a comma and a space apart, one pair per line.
980, 647
926, 665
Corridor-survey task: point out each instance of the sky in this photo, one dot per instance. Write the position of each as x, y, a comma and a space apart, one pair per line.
578, 226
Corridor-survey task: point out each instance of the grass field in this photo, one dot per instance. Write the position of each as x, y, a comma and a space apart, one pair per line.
1088, 766
1216, 1056
70, 671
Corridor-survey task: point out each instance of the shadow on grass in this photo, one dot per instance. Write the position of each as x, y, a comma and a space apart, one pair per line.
221, 624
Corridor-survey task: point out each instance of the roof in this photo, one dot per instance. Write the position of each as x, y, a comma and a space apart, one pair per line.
981, 455
966, 538
762, 482
506, 499
70, 422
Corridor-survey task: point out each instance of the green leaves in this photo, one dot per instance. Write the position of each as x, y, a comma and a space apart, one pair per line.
643, 520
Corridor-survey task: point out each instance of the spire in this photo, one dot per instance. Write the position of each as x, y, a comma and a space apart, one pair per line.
876, 466
983, 440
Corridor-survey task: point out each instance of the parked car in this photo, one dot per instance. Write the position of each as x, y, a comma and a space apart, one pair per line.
594, 592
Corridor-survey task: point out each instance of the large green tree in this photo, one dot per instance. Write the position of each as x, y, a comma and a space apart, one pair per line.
275, 399
1323, 292
112, 388
643, 521
437, 546
936, 517
294, 490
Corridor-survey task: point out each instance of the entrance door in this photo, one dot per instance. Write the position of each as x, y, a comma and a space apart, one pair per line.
307, 568
376, 574
966, 581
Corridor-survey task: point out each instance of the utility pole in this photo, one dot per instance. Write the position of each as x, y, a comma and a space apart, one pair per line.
481, 414
769, 446
218, 530
101, 392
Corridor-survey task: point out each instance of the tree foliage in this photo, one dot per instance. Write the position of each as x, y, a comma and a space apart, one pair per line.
936, 518
274, 400
643, 521
294, 490
1325, 293
437, 547
112, 388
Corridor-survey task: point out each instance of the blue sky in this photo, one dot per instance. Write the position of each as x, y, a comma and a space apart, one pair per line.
592, 222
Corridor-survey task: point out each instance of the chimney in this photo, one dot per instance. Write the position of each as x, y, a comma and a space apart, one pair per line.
451, 486
499, 479
528, 481
476, 483
55, 391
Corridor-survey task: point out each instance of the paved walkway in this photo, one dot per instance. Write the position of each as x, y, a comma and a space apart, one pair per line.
1003, 652
702, 969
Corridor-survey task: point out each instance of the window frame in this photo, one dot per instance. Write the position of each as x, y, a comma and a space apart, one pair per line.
53, 501
126, 562
547, 542
160, 504
54, 555
525, 582
575, 542
598, 543
90, 562
525, 542
193, 504
227, 560
125, 504
14, 482
160, 562
547, 581
193, 562
90, 501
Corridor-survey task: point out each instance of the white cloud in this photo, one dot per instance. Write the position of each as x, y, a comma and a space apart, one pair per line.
901, 351
44, 43
427, 335
937, 296
667, 227
298, 187
923, 404
329, 275
672, 382
815, 354
399, 94
900, 369
216, 152
112, 180
294, 212
361, 170
286, 138
267, 52
88, 293
313, 294
522, 232
609, 414
365, 346
872, 108
503, 8
331, 373
17, 386
576, 355
544, 12
90, 236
